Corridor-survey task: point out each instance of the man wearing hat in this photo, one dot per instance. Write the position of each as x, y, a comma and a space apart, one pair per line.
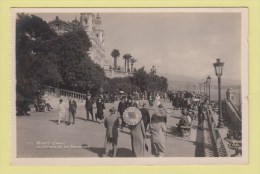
88, 105
121, 108
202, 113
111, 124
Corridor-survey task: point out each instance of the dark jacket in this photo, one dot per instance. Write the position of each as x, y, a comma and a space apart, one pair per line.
145, 117
121, 107
72, 106
89, 103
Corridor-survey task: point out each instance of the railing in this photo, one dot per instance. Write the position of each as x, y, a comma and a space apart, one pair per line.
65, 93
232, 118
235, 107
229, 138
117, 73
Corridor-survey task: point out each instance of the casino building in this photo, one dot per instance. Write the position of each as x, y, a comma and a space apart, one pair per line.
91, 23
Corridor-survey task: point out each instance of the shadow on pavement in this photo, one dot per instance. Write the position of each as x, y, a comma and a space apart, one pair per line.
98, 150
199, 150
84, 119
123, 152
175, 132
80, 118
54, 121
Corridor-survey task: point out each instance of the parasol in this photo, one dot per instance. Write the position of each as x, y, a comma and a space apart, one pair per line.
132, 116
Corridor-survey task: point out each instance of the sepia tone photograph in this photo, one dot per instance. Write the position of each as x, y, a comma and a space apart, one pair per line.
140, 85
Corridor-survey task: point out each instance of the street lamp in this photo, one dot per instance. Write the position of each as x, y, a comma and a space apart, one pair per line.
218, 70
204, 87
209, 80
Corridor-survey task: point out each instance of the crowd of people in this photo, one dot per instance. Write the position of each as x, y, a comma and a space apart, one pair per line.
193, 106
153, 118
155, 125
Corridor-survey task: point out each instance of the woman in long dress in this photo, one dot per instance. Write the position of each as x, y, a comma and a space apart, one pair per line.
100, 107
138, 139
158, 129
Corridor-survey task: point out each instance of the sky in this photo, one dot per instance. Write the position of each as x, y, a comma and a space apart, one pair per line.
180, 43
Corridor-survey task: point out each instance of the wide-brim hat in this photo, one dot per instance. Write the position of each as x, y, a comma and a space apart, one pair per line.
132, 116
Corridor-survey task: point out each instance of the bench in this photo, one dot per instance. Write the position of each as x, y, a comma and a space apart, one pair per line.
186, 131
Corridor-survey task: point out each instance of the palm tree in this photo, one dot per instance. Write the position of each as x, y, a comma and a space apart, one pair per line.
115, 53
127, 57
132, 61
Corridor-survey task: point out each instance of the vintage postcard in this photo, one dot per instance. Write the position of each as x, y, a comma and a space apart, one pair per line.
129, 86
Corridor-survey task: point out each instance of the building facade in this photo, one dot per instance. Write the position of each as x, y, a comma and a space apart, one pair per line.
92, 25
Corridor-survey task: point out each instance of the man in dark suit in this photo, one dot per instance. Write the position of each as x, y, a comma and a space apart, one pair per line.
89, 106
129, 101
145, 116
121, 108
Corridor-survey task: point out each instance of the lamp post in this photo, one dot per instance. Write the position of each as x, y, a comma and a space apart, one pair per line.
218, 70
209, 80
204, 88
200, 88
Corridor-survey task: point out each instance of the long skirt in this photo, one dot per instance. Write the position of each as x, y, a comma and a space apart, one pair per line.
158, 149
138, 142
100, 114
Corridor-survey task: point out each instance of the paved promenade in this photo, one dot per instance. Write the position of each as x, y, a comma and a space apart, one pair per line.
38, 135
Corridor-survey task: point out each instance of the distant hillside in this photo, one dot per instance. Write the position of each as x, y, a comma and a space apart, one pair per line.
181, 82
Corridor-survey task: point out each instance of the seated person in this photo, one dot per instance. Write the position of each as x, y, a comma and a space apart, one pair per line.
22, 108
185, 120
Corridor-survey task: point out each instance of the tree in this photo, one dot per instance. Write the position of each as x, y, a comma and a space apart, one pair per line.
76, 67
127, 57
149, 82
153, 70
31, 32
132, 61
115, 53
44, 58
140, 78
116, 84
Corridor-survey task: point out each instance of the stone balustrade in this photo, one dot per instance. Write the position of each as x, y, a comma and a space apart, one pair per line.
65, 93
228, 140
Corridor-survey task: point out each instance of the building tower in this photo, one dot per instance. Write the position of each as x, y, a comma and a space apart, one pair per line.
92, 26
